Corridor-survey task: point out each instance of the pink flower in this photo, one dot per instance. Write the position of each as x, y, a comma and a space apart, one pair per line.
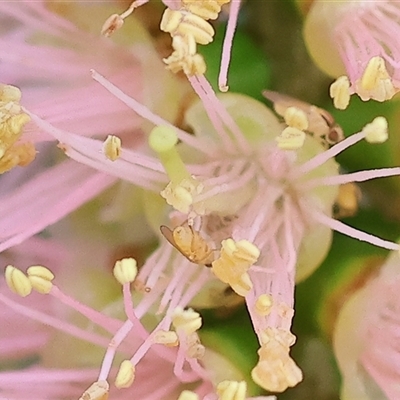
366, 337
355, 41
51, 61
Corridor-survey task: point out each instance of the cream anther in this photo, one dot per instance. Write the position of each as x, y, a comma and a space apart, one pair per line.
40, 278
188, 321
17, 281
291, 139
188, 395
206, 9
296, 118
125, 375
97, 391
339, 91
112, 147
112, 24
167, 338
232, 390
376, 131
125, 270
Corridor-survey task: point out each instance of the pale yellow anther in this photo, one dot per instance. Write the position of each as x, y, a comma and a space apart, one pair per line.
291, 139
188, 395
206, 9
296, 118
40, 278
125, 270
263, 305
9, 93
276, 371
112, 24
376, 131
243, 285
125, 375
167, 338
340, 92
97, 391
232, 390
180, 196
187, 321
183, 23
19, 154
375, 82
282, 336
17, 281
112, 147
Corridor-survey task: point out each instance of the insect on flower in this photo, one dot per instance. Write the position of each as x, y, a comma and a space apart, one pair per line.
189, 243
321, 123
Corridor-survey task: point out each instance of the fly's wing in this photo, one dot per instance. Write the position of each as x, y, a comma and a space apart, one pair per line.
282, 102
169, 235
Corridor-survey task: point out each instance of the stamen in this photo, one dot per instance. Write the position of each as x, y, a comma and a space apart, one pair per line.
125, 270
112, 147
97, 391
232, 390
296, 118
291, 139
340, 92
188, 395
167, 338
125, 375
17, 281
375, 82
376, 131
40, 278
188, 321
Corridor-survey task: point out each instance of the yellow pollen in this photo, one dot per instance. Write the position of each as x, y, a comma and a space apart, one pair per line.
340, 92
125, 375
232, 390
291, 139
187, 321
17, 281
40, 278
376, 131
167, 338
125, 270
112, 147
188, 395
375, 82
296, 118
97, 391
264, 304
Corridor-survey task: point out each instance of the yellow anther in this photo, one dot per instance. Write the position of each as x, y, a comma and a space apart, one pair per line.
242, 250
185, 57
125, 375
180, 196
40, 278
183, 23
282, 336
125, 270
263, 305
276, 371
375, 82
206, 9
187, 321
232, 390
296, 118
243, 285
163, 140
97, 391
19, 154
167, 338
17, 281
9, 93
376, 131
188, 395
291, 139
340, 92
112, 147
